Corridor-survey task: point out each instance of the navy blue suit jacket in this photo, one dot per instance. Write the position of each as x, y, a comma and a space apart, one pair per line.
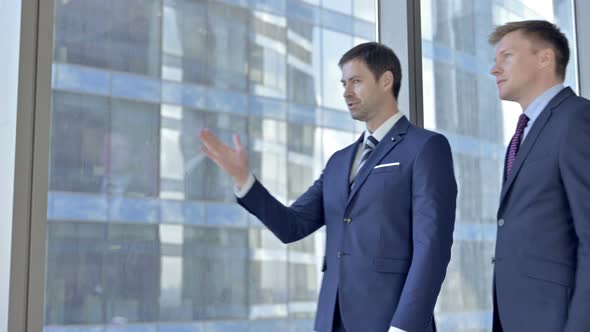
388, 242
542, 262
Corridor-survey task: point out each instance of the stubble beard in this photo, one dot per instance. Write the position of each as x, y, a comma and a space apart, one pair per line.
360, 114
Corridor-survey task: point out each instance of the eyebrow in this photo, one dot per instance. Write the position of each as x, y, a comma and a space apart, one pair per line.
350, 78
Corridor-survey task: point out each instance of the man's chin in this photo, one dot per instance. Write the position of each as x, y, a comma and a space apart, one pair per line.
356, 116
505, 96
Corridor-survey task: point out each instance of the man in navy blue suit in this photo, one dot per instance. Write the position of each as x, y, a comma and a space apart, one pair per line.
387, 201
542, 258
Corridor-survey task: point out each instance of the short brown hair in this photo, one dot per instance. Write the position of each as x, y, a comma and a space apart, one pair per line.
379, 58
542, 31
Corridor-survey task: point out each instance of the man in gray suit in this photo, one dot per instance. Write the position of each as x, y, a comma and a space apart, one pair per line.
542, 259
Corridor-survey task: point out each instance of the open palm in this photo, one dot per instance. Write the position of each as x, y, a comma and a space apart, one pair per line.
233, 161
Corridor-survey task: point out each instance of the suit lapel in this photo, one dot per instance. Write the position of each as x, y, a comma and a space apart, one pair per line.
532, 136
391, 139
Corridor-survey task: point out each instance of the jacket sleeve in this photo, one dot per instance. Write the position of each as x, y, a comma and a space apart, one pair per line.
434, 197
574, 165
292, 223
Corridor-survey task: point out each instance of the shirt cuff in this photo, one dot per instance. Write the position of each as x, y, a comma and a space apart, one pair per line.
241, 192
395, 329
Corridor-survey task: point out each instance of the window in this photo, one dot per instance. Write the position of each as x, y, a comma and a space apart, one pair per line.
143, 230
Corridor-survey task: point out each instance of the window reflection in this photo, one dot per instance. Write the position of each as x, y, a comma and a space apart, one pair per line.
364, 10
343, 6
92, 153
334, 45
142, 228
109, 34
95, 268
79, 124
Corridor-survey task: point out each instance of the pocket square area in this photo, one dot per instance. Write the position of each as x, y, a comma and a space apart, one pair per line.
387, 165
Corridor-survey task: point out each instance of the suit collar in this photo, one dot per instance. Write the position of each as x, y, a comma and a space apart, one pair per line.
538, 104
385, 127
560, 97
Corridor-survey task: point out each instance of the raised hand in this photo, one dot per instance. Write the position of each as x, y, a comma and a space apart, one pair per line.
233, 161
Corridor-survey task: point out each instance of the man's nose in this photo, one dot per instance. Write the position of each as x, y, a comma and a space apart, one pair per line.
495, 70
346, 92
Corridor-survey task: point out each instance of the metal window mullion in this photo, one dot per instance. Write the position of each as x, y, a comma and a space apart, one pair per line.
21, 217
399, 28
26, 305
415, 63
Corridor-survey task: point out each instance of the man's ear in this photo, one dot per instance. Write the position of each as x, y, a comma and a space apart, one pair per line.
546, 57
386, 80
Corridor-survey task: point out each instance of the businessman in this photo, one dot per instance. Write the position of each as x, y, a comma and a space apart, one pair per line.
542, 258
387, 201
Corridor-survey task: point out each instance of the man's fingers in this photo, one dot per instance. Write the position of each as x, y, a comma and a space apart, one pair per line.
209, 138
212, 157
237, 142
222, 155
208, 153
213, 144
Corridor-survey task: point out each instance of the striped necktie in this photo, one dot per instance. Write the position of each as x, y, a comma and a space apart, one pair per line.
370, 144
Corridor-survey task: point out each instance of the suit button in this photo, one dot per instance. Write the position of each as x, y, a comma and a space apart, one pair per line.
500, 222
339, 254
493, 260
348, 220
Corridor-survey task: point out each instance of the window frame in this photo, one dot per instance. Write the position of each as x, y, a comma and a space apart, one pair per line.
28, 224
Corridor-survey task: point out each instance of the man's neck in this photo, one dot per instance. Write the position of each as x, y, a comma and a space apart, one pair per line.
539, 90
387, 112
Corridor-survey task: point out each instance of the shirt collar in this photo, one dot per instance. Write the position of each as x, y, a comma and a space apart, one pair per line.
539, 104
384, 128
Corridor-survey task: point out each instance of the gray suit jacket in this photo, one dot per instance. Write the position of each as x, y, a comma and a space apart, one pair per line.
542, 259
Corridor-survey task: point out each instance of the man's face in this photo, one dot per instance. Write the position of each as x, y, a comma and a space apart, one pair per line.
362, 93
516, 67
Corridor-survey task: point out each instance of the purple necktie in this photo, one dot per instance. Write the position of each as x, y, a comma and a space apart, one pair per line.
515, 142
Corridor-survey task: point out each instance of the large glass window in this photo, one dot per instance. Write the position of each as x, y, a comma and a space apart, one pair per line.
143, 230
461, 101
